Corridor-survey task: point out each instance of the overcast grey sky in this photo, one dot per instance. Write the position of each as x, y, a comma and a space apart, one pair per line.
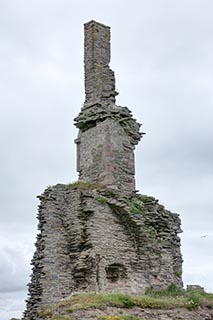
162, 57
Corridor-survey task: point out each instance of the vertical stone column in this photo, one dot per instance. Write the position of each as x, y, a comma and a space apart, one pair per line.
108, 133
99, 78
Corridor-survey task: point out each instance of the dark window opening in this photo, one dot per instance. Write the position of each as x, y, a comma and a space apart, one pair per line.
115, 272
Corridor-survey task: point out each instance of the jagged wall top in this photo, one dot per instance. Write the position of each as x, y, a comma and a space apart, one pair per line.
99, 78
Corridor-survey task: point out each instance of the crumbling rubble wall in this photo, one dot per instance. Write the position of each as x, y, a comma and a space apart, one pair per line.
99, 78
96, 239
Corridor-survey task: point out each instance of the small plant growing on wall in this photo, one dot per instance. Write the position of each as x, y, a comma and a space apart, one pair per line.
136, 206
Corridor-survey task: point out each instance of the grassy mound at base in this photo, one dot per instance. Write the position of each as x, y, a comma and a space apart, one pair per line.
167, 299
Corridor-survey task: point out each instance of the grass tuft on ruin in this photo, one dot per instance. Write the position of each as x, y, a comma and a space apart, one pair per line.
85, 185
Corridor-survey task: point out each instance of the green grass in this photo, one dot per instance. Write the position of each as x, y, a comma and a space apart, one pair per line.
77, 184
144, 198
171, 291
179, 273
153, 232
192, 299
85, 185
195, 299
136, 206
170, 298
102, 301
101, 199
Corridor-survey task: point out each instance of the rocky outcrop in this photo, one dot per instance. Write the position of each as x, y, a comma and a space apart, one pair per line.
136, 313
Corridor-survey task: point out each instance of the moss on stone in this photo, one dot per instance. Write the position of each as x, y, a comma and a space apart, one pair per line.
136, 206
144, 198
101, 199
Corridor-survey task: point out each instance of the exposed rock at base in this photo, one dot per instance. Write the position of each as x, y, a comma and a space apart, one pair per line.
143, 314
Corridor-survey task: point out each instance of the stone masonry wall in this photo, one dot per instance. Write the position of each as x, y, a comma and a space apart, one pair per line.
106, 155
107, 132
96, 239
99, 78
105, 146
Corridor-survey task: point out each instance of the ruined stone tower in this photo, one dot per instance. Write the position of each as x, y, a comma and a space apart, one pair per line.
98, 234
108, 133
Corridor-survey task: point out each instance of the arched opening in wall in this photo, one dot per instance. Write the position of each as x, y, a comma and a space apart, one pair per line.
115, 272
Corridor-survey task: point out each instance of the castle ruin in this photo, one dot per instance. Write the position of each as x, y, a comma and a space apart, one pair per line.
99, 234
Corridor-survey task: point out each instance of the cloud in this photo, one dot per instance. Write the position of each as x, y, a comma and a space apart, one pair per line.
14, 268
12, 304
